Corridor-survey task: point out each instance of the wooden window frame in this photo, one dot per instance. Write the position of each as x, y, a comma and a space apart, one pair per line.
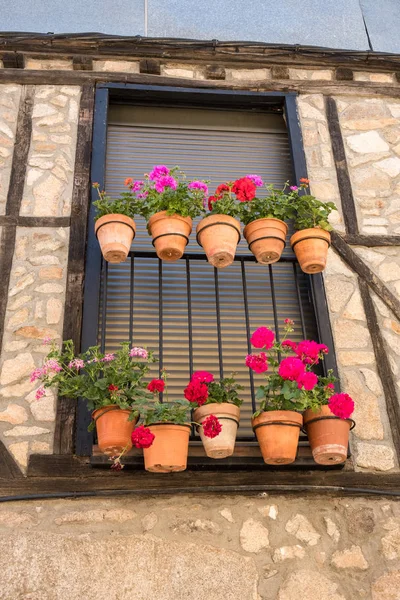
108, 93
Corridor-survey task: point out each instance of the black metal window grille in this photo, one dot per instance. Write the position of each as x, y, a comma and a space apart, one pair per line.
138, 299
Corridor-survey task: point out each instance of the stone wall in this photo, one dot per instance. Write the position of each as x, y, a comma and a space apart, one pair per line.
36, 295
193, 548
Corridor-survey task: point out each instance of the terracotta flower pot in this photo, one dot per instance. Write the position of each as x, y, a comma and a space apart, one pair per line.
266, 239
278, 433
115, 234
223, 444
169, 450
170, 235
311, 249
113, 429
219, 235
328, 437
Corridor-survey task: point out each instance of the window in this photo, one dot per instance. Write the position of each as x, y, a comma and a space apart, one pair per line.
194, 316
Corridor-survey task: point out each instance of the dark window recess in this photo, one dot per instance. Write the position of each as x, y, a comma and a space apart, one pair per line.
194, 316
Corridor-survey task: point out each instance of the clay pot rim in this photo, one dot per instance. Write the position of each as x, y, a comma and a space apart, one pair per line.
162, 214
110, 408
170, 423
215, 407
311, 416
201, 227
114, 217
266, 219
310, 233
293, 419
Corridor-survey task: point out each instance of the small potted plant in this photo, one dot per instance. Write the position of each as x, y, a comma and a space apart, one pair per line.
278, 421
312, 238
219, 232
164, 434
265, 230
327, 422
111, 383
219, 411
168, 203
114, 225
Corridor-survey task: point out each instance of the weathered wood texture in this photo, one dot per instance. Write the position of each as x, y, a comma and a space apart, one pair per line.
66, 407
358, 266
95, 44
54, 474
342, 172
372, 240
34, 221
329, 88
8, 467
14, 196
383, 364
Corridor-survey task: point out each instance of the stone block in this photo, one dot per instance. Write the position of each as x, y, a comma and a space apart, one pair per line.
15, 369
351, 558
375, 456
308, 584
14, 414
301, 527
254, 536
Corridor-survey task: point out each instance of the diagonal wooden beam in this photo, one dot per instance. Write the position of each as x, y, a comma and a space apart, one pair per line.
365, 273
382, 363
342, 171
8, 467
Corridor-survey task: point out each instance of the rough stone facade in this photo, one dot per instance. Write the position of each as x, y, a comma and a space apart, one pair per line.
249, 548
243, 548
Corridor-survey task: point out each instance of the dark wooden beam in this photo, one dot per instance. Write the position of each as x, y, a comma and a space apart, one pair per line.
358, 266
372, 240
150, 66
73, 475
344, 74
8, 467
383, 365
343, 177
66, 407
34, 221
14, 196
215, 72
82, 63
12, 60
65, 77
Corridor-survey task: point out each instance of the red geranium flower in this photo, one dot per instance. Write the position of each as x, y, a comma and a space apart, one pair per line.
304, 180
142, 437
221, 189
112, 388
203, 376
196, 392
211, 201
211, 426
257, 362
156, 385
244, 189
290, 344
309, 351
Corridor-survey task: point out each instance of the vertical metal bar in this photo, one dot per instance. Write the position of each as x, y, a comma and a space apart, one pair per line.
131, 289
190, 331
189, 311
276, 321
247, 319
91, 297
160, 321
217, 306
104, 306
302, 321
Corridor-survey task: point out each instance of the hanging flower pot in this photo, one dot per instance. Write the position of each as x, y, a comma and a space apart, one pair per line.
115, 233
169, 450
266, 239
311, 249
228, 414
278, 433
328, 435
170, 235
113, 428
219, 235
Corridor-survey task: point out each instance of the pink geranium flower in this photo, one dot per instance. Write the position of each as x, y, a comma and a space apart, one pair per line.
291, 368
158, 171
198, 185
165, 181
307, 381
203, 376
263, 338
256, 179
342, 405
